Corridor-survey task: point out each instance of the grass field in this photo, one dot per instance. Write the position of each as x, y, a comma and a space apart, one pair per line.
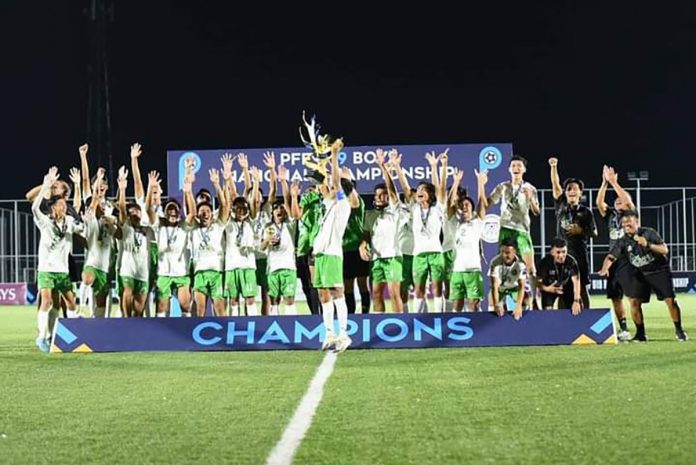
631, 403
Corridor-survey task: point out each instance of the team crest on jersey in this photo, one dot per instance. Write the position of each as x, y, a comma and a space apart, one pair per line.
491, 228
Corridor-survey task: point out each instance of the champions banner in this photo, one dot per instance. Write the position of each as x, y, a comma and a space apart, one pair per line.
371, 331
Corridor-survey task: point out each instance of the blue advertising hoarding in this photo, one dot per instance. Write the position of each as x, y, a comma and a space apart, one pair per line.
369, 331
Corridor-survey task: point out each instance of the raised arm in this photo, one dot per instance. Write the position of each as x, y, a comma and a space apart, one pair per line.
77, 192
556, 188
391, 190
135, 152
255, 181
284, 188
244, 165
295, 210
482, 201
335, 170
354, 197
48, 180
98, 194
613, 180
395, 161
230, 187
122, 184
441, 187
602, 206
269, 162
190, 202
224, 212
153, 183
453, 196
84, 168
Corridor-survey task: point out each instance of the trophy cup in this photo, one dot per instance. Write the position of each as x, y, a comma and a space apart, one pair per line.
320, 144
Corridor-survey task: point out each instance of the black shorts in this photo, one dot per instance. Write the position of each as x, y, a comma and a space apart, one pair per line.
354, 266
583, 268
659, 282
620, 274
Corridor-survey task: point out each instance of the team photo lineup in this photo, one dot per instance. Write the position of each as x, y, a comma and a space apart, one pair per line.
242, 251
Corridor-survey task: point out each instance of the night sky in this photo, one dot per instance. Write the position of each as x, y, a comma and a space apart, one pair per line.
590, 84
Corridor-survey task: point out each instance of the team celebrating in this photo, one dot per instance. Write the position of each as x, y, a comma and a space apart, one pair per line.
241, 252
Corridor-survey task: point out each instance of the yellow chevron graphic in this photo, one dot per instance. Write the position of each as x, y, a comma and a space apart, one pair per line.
83, 349
584, 340
611, 340
55, 349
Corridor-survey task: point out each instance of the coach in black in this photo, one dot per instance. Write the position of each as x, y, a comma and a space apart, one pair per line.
574, 222
558, 277
647, 252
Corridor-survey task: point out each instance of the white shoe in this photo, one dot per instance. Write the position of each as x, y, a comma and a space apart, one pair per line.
623, 336
343, 343
330, 341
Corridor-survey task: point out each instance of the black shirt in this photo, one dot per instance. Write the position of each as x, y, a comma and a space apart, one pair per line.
641, 257
580, 215
551, 272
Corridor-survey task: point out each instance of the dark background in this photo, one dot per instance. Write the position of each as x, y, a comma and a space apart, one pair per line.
592, 84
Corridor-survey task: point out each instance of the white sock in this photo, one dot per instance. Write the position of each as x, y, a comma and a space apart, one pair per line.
327, 310
251, 310
417, 305
407, 306
161, 314
290, 309
342, 314
82, 294
274, 310
186, 314
234, 310
72, 313
439, 304
42, 323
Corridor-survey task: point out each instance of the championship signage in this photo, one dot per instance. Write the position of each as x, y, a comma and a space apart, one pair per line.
370, 331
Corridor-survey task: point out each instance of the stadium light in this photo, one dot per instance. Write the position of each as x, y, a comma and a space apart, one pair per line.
637, 177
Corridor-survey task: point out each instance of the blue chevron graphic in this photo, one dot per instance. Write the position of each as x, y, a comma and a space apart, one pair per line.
65, 334
601, 324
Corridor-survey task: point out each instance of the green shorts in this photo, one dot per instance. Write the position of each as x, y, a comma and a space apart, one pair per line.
407, 271
432, 263
59, 282
449, 263
137, 286
261, 275
522, 239
208, 282
166, 283
100, 285
466, 285
282, 283
240, 282
328, 271
386, 270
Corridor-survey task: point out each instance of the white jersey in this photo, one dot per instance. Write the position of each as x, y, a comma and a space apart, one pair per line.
100, 242
405, 230
259, 223
467, 245
240, 245
384, 227
514, 204
509, 275
56, 241
427, 226
281, 256
135, 248
329, 240
144, 217
449, 230
173, 249
208, 246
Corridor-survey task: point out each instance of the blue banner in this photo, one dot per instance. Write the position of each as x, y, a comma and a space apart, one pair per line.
361, 160
371, 331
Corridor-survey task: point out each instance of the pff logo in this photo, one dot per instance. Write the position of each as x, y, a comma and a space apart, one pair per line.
182, 165
491, 228
490, 158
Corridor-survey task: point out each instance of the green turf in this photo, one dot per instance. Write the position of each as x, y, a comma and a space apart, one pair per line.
632, 403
